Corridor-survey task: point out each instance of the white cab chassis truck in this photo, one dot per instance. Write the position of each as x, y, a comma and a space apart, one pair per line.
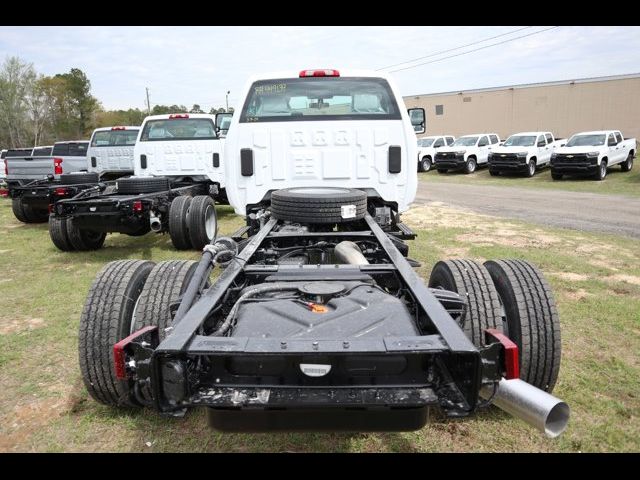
428, 147
523, 153
178, 172
318, 321
591, 153
466, 153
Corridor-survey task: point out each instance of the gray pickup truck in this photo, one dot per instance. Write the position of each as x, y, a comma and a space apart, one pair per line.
37, 177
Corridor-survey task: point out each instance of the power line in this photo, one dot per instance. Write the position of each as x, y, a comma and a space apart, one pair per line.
474, 50
452, 49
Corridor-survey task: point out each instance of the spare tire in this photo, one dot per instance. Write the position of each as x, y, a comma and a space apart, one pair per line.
318, 204
75, 178
134, 185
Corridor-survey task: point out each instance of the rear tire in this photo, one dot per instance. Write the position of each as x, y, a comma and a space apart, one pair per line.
135, 185
79, 177
472, 281
531, 319
166, 282
317, 205
178, 226
105, 320
84, 240
627, 165
202, 221
58, 233
18, 210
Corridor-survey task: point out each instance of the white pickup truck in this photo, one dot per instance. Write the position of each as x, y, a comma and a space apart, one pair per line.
591, 153
523, 152
427, 148
466, 153
111, 151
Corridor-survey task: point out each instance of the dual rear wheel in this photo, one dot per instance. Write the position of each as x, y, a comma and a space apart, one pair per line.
512, 296
193, 222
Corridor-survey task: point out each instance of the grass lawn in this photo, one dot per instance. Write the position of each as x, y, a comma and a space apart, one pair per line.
596, 280
616, 182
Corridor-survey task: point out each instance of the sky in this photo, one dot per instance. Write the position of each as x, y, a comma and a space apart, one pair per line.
187, 65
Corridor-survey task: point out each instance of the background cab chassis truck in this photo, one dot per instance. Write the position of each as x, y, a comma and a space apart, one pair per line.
427, 148
466, 153
177, 174
523, 153
318, 321
591, 153
37, 180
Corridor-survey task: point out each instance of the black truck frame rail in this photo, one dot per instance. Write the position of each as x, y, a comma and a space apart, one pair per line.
243, 378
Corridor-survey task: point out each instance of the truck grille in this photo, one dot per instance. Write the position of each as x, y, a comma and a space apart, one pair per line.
571, 158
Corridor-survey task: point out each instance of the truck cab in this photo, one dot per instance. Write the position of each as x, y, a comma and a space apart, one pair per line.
466, 153
591, 153
428, 147
110, 151
523, 152
336, 128
184, 147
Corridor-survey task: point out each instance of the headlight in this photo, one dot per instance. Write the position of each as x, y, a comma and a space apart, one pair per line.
521, 154
460, 152
593, 154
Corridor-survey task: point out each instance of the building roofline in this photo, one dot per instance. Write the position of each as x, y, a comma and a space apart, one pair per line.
531, 85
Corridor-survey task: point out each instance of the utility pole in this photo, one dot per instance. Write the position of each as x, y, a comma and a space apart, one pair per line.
227, 99
148, 104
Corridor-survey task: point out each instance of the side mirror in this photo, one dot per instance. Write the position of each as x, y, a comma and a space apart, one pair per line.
612, 143
418, 120
482, 144
541, 144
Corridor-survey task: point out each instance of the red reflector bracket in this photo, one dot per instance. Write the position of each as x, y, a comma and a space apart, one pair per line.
179, 115
117, 128
511, 362
319, 73
4, 192
119, 356
51, 208
57, 166
137, 206
60, 191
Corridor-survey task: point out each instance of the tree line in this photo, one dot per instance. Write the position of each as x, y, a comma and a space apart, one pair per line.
37, 109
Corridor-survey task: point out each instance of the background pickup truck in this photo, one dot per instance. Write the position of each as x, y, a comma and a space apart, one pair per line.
23, 164
427, 148
110, 151
523, 153
591, 153
466, 153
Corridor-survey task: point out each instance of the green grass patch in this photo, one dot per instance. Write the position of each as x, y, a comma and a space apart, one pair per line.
595, 278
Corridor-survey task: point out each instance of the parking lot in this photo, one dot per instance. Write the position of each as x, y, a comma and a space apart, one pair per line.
595, 278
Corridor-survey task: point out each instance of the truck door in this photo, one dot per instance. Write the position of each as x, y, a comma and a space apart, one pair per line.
483, 149
544, 150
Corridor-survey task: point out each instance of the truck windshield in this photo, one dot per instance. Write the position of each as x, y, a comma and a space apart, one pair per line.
41, 152
178, 129
110, 138
319, 98
586, 141
72, 149
19, 152
465, 142
426, 142
520, 141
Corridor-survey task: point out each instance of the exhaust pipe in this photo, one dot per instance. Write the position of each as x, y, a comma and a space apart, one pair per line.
155, 223
349, 252
538, 408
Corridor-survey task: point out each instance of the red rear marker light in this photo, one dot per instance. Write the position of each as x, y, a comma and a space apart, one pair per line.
137, 206
319, 73
60, 191
118, 128
179, 115
57, 166
511, 363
